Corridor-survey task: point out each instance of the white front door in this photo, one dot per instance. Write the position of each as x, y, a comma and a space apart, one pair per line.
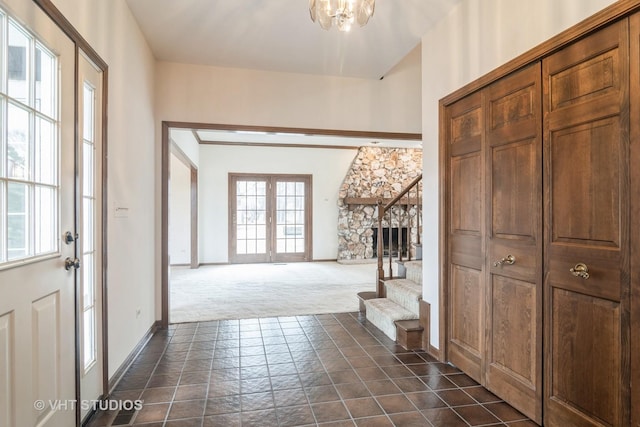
37, 178
90, 361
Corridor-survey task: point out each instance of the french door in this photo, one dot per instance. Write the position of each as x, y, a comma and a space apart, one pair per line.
269, 218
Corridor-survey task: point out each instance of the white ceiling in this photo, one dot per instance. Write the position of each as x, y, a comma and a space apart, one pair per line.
278, 35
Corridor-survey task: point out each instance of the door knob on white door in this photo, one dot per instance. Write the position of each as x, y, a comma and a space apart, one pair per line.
70, 263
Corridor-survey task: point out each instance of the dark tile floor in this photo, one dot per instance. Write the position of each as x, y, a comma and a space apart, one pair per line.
328, 370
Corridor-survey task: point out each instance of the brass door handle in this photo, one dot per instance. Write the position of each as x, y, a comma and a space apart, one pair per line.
580, 270
509, 259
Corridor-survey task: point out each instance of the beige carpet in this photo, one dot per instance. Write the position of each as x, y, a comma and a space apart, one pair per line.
266, 290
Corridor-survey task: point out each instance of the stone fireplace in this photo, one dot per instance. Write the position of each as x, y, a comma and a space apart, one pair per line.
375, 173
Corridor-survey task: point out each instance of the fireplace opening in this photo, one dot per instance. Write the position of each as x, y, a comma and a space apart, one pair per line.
396, 247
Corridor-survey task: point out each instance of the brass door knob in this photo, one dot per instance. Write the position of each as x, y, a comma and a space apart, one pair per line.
580, 270
509, 259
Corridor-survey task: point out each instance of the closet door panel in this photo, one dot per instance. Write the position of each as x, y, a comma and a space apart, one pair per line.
466, 284
586, 197
514, 240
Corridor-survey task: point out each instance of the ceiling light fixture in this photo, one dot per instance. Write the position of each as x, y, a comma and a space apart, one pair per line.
341, 13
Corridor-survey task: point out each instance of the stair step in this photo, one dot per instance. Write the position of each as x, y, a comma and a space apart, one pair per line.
406, 293
418, 247
409, 334
409, 325
413, 271
363, 297
383, 313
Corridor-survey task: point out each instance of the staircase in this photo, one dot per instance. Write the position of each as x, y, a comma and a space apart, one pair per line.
394, 307
398, 314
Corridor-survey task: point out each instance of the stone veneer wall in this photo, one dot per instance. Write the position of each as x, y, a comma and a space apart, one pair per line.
376, 172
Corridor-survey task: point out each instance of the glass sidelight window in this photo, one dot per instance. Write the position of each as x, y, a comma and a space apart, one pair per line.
89, 211
29, 145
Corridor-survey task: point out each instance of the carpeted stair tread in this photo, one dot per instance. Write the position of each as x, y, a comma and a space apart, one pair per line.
383, 313
406, 293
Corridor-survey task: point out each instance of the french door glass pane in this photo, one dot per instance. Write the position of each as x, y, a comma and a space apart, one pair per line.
251, 217
290, 214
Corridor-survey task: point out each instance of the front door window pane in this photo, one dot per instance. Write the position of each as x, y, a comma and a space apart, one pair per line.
46, 214
45, 101
29, 145
18, 142
17, 220
45, 147
18, 55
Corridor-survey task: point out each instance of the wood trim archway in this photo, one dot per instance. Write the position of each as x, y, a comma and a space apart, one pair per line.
166, 126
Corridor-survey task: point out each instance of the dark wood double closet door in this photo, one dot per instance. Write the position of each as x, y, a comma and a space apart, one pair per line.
537, 202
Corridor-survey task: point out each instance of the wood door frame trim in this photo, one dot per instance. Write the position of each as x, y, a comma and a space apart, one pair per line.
81, 44
166, 125
634, 201
306, 131
614, 12
175, 149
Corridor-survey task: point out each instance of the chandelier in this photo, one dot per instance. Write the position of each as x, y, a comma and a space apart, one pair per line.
341, 13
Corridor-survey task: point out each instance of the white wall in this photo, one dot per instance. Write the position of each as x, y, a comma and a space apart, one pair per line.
328, 167
111, 30
201, 94
476, 37
179, 212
